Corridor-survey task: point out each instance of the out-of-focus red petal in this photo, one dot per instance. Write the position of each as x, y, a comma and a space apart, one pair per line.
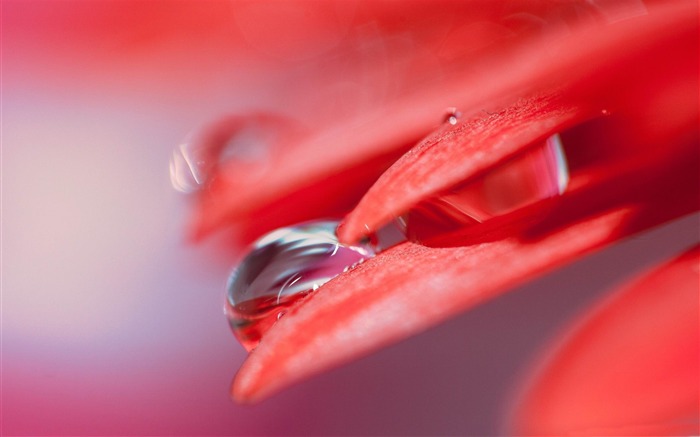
630, 368
644, 69
328, 171
409, 288
306, 179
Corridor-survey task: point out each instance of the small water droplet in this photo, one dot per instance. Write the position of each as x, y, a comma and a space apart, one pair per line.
605, 112
452, 115
281, 268
248, 139
538, 174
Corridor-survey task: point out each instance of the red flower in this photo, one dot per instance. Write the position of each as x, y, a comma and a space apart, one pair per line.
620, 87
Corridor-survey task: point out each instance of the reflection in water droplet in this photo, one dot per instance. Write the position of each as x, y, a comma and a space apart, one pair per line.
281, 268
538, 174
248, 139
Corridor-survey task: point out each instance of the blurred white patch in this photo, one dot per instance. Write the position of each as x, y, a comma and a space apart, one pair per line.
618, 10
82, 222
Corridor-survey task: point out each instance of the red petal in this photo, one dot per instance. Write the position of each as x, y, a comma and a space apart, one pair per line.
659, 66
408, 288
405, 290
631, 367
327, 173
644, 175
328, 181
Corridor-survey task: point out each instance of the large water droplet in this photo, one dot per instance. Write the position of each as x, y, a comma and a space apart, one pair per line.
281, 268
248, 139
538, 174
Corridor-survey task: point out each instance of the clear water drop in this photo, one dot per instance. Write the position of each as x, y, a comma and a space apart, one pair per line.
281, 268
538, 174
248, 139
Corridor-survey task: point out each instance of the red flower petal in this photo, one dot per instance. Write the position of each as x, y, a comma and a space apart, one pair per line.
652, 84
407, 289
631, 367
328, 181
392, 296
327, 172
642, 174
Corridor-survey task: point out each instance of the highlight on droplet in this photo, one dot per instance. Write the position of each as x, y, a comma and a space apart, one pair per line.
281, 268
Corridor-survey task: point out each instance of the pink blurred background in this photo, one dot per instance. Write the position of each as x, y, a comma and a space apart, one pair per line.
112, 324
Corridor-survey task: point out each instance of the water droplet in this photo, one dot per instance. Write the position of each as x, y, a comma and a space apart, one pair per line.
248, 139
538, 174
452, 116
281, 268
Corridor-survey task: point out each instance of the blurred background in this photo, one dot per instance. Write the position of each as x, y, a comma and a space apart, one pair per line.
113, 324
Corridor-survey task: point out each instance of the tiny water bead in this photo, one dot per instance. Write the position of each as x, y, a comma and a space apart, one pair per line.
452, 116
538, 174
281, 268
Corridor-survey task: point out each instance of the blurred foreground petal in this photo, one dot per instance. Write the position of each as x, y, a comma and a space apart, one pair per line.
630, 368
